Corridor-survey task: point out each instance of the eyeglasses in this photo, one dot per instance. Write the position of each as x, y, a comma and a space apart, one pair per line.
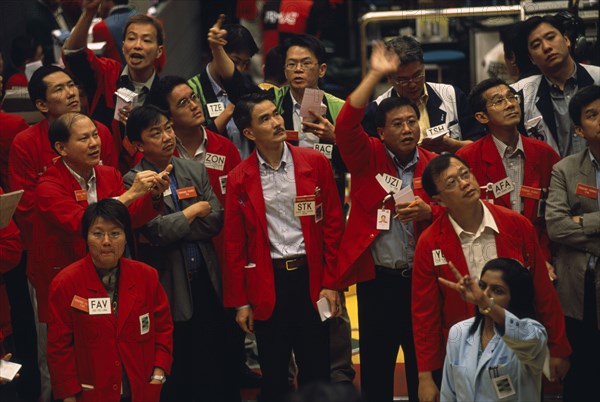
411, 123
500, 103
113, 235
452, 181
304, 64
406, 82
242, 63
186, 101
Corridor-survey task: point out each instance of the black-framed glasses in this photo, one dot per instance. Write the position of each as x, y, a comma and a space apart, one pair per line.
304, 64
500, 103
415, 79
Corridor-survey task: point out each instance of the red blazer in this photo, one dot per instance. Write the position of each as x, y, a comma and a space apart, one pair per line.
436, 308
93, 349
10, 255
365, 157
248, 239
30, 155
57, 240
10, 126
486, 164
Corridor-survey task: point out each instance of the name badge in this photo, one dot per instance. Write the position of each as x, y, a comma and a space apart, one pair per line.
223, 184
215, 108
503, 386
80, 195
531, 192
437, 131
438, 258
502, 187
186, 192
80, 303
319, 213
167, 192
214, 161
587, 191
389, 183
292, 135
383, 219
325, 149
99, 305
417, 183
305, 205
144, 324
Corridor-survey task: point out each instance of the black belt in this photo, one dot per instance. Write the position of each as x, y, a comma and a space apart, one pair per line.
405, 271
290, 264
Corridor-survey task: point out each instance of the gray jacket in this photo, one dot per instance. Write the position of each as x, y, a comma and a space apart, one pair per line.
574, 244
161, 239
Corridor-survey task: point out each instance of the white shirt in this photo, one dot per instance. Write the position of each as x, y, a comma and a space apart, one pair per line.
200, 153
89, 186
478, 247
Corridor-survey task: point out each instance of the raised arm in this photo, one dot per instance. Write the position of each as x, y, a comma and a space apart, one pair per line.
382, 63
221, 66
78, 38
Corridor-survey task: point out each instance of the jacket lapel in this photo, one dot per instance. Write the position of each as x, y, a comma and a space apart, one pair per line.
127, 297
94, 285
493, 167
543, 103
435, 108
253, 190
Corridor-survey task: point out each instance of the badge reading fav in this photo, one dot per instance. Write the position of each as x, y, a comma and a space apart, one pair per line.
99, 305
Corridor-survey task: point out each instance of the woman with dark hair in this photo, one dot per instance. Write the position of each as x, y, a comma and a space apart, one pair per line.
110, 330
498, 354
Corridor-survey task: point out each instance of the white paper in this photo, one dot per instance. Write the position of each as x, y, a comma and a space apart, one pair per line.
546, 367
125, 97
31, 67
404, 195
8, 370
312, 100
8, 204
324, 309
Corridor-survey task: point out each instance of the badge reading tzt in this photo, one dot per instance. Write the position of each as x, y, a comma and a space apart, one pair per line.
304, 205
502, 187
214, 161
438, 258
99, 305
144, 324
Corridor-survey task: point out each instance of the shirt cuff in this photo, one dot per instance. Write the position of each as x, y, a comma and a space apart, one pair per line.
242, 307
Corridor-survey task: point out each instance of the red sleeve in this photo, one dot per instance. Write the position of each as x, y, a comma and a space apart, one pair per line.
108, 149
141, 210
163, 328
10, 246
57, 205
351, 139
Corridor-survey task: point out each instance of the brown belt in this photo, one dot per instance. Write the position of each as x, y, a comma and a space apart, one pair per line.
290, 264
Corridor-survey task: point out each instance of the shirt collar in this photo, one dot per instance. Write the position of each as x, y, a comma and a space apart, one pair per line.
286, 159
178, 141
487, 222
594, 160
80, 179
413, 161
147, 84
572, 78
502, 147
216, 87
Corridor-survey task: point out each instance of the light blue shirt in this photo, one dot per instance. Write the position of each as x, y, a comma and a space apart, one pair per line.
519, 353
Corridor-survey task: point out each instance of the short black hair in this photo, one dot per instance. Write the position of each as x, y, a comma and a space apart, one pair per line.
141, 118
162, 89
274, 71
407, 48
60, 129
392, 103
239, 39
509, 36
306, 41
519, 282
434, 168
37, 87
108, 209
581, 99
23, 48
146, 20
242, 114
532, 23
476, 100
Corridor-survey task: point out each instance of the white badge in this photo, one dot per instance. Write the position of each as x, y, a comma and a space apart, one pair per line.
438, 258
223, 183
437, 131
99, 305
215, 108
325, 149
383, 219
144, 324
305, 205
167, 192
214, 161
502, 187
389, 183
503, 386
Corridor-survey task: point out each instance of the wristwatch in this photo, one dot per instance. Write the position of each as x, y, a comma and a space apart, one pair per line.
160, 378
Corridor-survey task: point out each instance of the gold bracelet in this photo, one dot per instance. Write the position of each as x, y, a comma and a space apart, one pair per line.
487, 310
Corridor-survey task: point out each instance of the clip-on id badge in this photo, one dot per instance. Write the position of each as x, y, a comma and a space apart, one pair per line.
489, 189
384, 215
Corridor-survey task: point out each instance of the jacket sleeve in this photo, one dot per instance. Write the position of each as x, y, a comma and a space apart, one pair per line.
109, 153
351, 139
10, 246
561, 227
527, 338
23, 176
61, 349
56, 205
163, 341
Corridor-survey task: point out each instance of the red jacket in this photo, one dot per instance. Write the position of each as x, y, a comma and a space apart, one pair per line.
57, 240
10, 255
436, 308
365, 157
94, 349
30, 155
248, 239
486, 164
10, 126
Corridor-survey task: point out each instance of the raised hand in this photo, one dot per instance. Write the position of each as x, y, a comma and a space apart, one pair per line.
216, 35
467, 286
383, 61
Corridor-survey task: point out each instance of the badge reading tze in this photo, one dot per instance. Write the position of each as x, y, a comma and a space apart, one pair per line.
531, 192
99, 305
214, 161
304, 205
215, 108
186, 192
502, 187
80, 195
325, 149
587, 191
80, 303
291, 135
144, 324
438, 258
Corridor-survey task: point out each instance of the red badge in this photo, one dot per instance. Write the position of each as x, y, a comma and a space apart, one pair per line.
80, 303
80, 195
587, 191
417, 183
292, 135
187, 192
531, 192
